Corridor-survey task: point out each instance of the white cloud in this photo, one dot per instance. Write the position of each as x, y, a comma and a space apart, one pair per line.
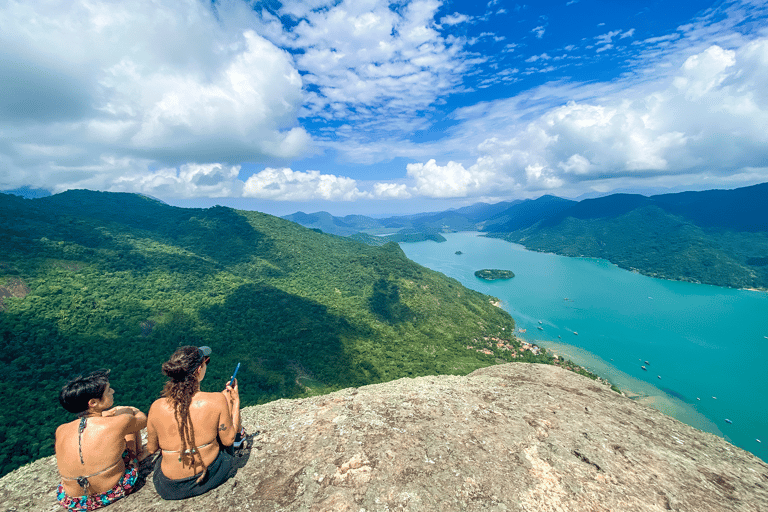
539, 31
454, 19
190, 180
391, 191
105, 89
607, 37
373, 62
534, 58
576, 164
450, 180
701, 73
706, 121
288, 185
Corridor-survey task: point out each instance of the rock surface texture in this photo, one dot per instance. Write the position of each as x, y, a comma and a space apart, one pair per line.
515, 437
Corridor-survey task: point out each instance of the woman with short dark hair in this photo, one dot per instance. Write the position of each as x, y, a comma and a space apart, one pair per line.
96, 454
192, 428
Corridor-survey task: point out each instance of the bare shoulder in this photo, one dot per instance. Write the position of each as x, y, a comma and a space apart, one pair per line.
157, 405
208, 400
159, 409
63, 430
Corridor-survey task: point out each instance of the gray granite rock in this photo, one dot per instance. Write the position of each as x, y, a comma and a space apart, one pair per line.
515, 437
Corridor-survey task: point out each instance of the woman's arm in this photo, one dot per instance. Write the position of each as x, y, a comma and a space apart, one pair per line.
234, 405
229, 402
136, 420
152, 442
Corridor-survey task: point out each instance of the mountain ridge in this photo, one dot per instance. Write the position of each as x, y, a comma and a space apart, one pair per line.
717, 237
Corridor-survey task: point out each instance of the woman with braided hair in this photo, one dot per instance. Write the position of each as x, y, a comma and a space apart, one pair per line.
194, 430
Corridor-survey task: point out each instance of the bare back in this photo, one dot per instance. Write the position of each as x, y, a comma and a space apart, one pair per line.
102, 443
209, 415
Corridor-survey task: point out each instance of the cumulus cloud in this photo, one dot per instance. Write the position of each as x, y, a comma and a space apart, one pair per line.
189, 180
707, 119
91, 84
450, 180
391, 191
288, 185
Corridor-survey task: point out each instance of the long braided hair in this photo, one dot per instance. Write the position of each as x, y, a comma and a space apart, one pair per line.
183, 384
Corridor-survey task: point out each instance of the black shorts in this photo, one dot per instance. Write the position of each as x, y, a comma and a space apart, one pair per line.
218, 472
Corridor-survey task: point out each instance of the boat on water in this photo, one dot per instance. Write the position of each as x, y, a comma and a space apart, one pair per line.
574, 332
728, 421
541, 322
759, 441
644, 368
659, 376
647, 362
540, 328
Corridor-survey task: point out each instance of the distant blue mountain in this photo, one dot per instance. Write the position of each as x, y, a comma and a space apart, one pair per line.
27, 192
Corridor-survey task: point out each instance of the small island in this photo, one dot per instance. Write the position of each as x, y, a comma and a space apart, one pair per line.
493, 274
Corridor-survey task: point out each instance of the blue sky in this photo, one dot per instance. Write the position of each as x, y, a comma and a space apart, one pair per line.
380, 107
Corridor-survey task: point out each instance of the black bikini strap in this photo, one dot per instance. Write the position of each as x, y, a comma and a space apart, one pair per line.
80, 439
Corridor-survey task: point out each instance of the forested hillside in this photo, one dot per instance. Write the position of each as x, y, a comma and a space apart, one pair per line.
715, 237
102, 280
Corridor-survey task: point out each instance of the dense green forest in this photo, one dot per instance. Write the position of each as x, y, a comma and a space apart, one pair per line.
657, 243
103, 280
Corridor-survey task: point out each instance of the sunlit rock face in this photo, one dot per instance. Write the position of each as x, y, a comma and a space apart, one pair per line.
514, 437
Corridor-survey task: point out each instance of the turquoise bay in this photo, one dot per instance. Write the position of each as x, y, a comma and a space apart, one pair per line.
706, 346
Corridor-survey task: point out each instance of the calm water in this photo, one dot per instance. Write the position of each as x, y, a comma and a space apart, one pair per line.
707, 344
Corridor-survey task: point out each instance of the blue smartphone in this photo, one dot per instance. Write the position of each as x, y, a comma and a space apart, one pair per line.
234, 374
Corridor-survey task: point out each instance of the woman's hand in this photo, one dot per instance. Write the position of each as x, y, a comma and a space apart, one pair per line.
232, 392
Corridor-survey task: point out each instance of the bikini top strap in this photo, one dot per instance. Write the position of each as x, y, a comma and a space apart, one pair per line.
189, 450
80, 438
78, 478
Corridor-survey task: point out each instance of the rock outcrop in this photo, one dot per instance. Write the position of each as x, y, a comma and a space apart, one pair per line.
515, 437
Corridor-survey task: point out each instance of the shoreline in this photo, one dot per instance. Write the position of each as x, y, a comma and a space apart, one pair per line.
633, 388
646, 273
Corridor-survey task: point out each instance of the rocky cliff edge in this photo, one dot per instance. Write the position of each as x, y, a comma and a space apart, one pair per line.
515, 437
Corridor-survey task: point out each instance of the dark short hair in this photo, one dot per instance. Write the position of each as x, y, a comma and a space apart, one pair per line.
74, 396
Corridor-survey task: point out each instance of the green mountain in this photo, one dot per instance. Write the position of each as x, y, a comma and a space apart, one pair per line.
103, 280
342, 226
461, 219
715, 237
525, 213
